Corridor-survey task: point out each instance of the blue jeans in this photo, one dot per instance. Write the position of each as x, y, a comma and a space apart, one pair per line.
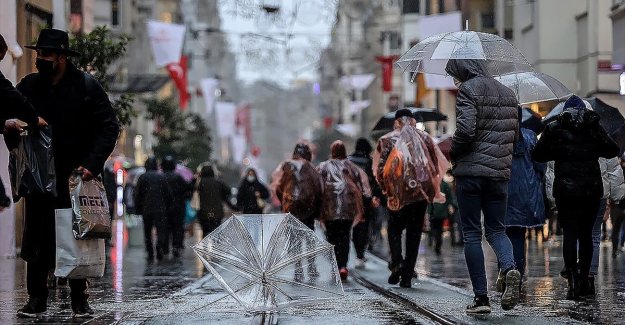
517, 238
596, 238
477, 195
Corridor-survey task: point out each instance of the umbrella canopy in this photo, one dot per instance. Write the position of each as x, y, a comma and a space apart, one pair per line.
611, 119
385, 123
531, 120
531, 87
431, 54
185, 172
267, 262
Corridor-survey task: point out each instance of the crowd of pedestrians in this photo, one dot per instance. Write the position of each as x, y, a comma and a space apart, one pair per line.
502, 182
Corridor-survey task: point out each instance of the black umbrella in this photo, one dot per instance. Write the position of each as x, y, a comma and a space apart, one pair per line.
531, 120
385, 123
611, 119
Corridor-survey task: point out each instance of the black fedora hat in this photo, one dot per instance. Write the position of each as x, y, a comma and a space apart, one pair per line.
53, 40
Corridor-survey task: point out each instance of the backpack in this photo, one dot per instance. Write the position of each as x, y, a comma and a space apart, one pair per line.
409, 173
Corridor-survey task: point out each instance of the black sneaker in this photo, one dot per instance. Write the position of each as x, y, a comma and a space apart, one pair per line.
81, 308
406, 282
480, 305
33, 308
394, 277
510, 296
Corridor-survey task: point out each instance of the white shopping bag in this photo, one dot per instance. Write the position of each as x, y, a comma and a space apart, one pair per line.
76, 259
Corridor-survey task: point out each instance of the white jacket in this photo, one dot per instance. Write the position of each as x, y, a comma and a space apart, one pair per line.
613, 182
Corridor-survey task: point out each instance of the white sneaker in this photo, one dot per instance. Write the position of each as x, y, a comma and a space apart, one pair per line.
360, 263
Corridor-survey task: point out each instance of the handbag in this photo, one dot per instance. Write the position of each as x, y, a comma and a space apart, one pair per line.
91, 216
76, 259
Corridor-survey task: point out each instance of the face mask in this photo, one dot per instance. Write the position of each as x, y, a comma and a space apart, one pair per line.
251, 178
45, 67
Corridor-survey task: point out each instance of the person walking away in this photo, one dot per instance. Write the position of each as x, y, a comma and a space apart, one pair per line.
439, 212
213, 192
408, 166
297, 186
15, 106
613, 191
175, 218
153, 199
617, 215
362, 231
481, 155
84, 132
526, 205
344, 185
252, 193
576, 141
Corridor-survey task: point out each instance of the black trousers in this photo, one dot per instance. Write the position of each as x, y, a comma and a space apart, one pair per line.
617, 216
159, 221
436, 229
338, 233
37, 282
577, 217
410, 218
360, 237
175, 229
208, 225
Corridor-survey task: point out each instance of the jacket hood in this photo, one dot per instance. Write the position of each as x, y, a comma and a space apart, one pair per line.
466, 69
168, 164
151, 164
576, 118
207, 171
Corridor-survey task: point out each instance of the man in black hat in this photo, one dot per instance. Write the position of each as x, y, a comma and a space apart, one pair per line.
84, 132
407, 194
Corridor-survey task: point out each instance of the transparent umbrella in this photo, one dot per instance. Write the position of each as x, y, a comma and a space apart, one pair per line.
431, 54
531, 87
268, 262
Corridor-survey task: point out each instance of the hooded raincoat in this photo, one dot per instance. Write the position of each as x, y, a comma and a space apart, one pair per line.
526, 204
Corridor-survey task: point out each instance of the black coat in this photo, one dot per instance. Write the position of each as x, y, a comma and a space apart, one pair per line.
83, 123
14, 104
153, 196
575, 146
84, 132
213, 193
246, 197
486, 123
180, 190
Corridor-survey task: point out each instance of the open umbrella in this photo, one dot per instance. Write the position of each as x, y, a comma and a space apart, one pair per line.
531, 87
611, 119
185, 172
431, 54
268, 262
385, 123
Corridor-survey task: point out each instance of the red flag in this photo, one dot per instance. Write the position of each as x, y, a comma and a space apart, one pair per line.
243, 120
387, 71
178, 73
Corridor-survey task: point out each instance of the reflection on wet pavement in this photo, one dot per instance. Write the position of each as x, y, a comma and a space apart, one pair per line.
128, 280
545, 290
